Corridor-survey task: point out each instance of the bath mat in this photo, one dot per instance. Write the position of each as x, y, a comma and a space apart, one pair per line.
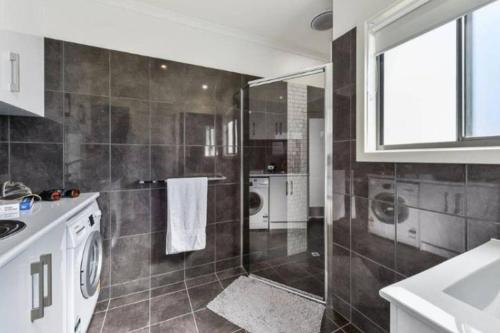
260, 308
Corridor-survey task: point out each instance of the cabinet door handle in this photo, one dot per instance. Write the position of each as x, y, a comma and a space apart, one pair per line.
15, 85
46, 261
276, 128
253, 128
286, 188
291, 187
37, 312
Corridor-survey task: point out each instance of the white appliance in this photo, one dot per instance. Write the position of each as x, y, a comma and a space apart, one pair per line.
84, 263
259, 203
381, 211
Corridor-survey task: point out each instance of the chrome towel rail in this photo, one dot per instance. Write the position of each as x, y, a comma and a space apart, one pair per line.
156, 181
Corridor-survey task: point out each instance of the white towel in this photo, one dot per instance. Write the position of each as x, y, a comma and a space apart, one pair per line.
186, 214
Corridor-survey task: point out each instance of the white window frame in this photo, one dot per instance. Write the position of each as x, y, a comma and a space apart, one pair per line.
367, 149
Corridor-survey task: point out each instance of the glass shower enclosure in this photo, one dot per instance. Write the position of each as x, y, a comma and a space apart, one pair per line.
286, 182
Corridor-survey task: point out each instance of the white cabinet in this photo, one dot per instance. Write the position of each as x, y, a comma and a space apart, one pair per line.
278, 193
21, 74
32, 287
257, 126
276, 126
297, 198
288, 200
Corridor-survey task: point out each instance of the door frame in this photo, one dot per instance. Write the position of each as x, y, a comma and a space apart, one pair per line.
327, 69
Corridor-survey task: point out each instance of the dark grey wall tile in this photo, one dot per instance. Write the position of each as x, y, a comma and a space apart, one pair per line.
129, 75
130, 258
103, 202
375, 241
86, 119
106, 264
158, 210
86, 69
129, 121
48, 128
228, 164
367, 178
130, 213
343, 52
4, 162
38, 166
366, 281
167, 80
161, 262
199, 161
480, 232
340, 266
255, 158
200, 85
363, 323
228, 203
167, 161
53, 64
483, 192
129, 164
434, 187
4, 128
341, 226
200, 128
341, 116
86, 166
228, 240
167, 124
196, 258
342, 167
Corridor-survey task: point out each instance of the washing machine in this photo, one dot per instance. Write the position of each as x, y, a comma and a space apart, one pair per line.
382, 214
83, 266
259, 203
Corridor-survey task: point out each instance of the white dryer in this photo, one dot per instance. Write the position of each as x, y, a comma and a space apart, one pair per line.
83, 267
259, 203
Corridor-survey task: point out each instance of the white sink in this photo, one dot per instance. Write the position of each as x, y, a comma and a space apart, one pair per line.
480, 289
461, 295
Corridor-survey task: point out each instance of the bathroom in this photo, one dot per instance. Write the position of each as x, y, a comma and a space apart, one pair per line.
271, 166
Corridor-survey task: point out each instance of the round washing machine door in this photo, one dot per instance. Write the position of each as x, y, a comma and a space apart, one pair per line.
256, 202
90, 269
384, 210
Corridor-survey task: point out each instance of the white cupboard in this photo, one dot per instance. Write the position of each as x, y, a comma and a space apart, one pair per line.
21, 74
288, 199
32, 286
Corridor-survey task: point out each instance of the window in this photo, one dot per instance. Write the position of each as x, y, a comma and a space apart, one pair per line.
442, 88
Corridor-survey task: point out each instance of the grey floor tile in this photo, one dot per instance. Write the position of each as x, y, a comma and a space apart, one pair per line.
169, 306
200, 296
127, 318
183, 324
209, 322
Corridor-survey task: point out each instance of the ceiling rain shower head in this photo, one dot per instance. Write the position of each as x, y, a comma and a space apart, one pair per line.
322, 21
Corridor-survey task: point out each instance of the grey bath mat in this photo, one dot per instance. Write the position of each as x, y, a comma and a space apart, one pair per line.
261, 308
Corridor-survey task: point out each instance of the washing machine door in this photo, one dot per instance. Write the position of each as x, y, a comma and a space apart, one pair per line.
90, 269
256, 202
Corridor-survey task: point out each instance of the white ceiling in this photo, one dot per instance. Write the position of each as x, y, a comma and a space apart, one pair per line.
283, 24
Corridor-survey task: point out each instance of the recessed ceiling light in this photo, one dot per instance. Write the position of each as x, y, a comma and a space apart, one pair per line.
322, 21
163, 66
204, 87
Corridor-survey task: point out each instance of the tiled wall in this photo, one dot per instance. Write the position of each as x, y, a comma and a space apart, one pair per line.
113, 118
455, 207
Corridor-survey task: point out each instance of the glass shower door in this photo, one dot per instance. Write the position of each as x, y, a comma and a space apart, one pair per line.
284, 176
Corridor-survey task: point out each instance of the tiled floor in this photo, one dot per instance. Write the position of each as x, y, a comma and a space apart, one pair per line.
179, 308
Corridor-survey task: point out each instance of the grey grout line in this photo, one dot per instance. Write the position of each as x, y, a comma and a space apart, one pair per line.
191, 306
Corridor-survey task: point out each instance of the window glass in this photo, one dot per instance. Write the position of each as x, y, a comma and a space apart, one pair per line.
483, 114
420, 89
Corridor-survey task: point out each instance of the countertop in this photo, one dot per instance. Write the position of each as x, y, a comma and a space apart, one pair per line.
423, 296
43, 217
277, 174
